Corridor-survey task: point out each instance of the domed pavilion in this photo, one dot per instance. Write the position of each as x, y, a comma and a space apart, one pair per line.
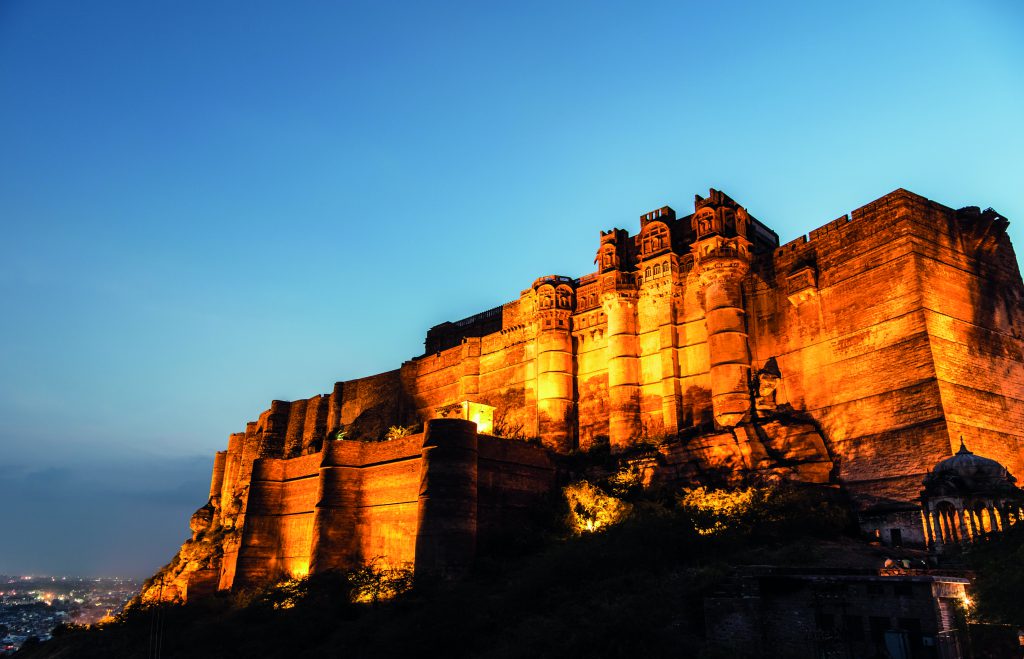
967, 496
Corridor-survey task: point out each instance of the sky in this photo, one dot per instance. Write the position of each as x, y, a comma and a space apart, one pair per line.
205, 206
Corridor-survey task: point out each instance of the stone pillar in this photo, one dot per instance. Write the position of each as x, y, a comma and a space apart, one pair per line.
623, 368
335, 542
993, 520
964, 535
928, 537
937, 522
447, 516
729, 353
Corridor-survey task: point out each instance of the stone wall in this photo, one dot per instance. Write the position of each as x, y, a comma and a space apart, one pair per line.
390, 503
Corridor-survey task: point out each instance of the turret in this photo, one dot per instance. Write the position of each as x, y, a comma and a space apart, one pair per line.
555, 299
335, 541
446, 525
721, 254
618, 298
660, 293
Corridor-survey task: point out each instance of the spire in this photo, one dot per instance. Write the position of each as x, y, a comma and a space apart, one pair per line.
963, 448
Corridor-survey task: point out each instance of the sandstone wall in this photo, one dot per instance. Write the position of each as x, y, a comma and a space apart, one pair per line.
498, 369
358, 502
881, 347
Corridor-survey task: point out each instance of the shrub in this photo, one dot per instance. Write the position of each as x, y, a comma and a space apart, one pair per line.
397, 432
591, 509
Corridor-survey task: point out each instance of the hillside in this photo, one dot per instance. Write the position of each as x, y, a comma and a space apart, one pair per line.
631, 588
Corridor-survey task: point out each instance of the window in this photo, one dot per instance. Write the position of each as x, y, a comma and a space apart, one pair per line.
896, 537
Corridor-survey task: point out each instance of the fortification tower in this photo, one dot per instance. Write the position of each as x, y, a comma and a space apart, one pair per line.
555, 301
660, 295
619, 296
721, 254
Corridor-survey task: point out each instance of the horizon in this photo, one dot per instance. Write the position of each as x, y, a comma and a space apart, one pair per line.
207, 208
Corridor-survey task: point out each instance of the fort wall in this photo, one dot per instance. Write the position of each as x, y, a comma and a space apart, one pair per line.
408, 502
855, 355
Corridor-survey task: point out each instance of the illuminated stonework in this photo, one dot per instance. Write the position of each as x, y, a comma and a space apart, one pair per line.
856, 356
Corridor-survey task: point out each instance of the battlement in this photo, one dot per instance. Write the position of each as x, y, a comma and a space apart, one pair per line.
663, 214
715, 198
554, 280
450, 334
875, 210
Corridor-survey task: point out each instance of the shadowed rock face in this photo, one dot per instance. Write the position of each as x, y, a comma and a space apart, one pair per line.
855, 355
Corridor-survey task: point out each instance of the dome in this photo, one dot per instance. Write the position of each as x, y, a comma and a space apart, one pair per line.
966, 472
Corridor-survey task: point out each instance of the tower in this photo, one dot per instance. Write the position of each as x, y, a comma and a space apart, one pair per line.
555, 380
619, 296
721, 254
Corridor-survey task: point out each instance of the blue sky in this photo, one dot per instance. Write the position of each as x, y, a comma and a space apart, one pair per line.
208, 205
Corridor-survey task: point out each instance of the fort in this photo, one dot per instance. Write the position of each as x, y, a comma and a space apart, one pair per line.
853, 357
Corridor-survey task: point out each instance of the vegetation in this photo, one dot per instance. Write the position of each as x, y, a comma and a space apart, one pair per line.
997, 590
398, 432
590, 509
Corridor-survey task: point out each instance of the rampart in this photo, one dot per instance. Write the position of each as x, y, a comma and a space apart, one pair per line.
422, 501
856, 355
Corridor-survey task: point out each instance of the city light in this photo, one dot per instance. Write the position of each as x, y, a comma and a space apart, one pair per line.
43, 603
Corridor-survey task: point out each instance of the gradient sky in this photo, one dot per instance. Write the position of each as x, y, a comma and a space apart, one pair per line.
208, 205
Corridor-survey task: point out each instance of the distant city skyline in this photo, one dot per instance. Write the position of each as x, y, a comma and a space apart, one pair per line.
209, 207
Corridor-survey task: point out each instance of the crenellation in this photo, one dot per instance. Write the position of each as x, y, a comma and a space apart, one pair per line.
832, 227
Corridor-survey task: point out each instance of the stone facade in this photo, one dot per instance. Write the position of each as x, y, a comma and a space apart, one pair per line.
853, 356
892, 330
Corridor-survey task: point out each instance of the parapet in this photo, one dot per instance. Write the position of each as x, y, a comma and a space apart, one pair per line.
663, 214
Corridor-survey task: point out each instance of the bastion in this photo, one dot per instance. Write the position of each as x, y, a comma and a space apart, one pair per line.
854, 357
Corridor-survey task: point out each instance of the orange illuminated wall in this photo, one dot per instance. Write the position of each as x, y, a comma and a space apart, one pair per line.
356, 502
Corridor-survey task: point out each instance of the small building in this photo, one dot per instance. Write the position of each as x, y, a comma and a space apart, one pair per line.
967, 496
794, 612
